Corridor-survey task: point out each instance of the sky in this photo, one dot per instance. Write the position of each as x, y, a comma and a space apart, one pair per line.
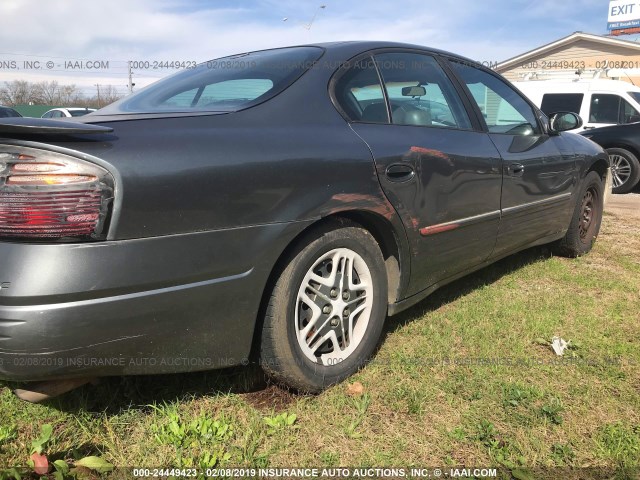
60, 33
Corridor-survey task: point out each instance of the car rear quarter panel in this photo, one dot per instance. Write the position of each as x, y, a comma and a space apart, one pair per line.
205, 207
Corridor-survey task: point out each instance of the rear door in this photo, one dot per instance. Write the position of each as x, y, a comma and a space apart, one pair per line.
441, 173
539, 170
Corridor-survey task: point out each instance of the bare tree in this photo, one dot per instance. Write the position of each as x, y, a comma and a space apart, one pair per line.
22, 92
18, 92
48, 93
70, 95
108, 95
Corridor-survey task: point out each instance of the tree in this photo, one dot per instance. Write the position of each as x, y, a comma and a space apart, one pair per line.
108, 95
48, 93
18, 92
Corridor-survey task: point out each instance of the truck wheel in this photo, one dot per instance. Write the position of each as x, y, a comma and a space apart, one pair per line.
326, 311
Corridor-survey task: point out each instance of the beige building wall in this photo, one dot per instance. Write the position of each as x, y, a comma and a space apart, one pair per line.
580, 55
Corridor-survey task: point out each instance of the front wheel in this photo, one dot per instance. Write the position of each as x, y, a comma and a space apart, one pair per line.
325, 315
625, 169
586, 220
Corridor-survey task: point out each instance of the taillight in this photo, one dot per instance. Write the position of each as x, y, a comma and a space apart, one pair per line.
48, 195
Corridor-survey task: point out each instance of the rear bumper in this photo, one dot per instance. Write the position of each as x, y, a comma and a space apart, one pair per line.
158, 305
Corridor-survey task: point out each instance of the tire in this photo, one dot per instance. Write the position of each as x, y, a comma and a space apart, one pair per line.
297, 346
625, 169
585, 223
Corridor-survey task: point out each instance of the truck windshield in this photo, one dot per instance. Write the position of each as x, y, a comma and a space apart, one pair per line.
635, 96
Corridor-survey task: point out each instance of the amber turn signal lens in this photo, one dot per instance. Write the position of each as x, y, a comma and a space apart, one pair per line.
49, 179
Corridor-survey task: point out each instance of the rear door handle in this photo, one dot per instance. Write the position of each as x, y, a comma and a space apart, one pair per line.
515, 169
400, 172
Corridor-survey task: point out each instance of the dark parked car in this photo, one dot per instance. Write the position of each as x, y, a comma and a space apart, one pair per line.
622, 143
8, 112
279, 202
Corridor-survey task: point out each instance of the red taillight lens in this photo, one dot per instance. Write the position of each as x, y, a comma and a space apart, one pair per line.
47, 195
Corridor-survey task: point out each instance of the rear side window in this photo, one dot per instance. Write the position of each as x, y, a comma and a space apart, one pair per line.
223, 85
561, 102
359, 93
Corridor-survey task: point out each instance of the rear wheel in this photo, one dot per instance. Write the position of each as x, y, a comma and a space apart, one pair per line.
585, 224
625, 169
327, 308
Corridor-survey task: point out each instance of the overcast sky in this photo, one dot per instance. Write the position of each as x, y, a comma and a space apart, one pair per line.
59, 31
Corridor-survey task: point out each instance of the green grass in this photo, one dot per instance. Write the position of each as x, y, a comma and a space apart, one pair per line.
464, 378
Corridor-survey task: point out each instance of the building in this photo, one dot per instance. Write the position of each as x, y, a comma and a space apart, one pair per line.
577, 55
33, 110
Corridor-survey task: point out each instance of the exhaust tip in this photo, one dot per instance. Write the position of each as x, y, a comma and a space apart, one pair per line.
38, 392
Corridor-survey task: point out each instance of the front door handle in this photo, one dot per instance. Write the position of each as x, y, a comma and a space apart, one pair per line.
589, 128
515, 169
399, 172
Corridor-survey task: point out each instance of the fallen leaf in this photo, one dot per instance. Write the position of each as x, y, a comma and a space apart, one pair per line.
41, 464
355, 389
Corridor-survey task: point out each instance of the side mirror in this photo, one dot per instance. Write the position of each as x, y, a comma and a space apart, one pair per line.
563, 121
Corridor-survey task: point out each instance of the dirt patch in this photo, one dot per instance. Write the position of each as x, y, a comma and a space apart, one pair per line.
270, 398
625, 205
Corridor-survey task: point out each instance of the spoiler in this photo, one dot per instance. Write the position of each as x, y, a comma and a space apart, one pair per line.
45, 126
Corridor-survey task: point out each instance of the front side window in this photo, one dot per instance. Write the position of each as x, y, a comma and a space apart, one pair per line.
223, 85
608, 108
420, 93
561, 102
629, 113
504, 110
604, 108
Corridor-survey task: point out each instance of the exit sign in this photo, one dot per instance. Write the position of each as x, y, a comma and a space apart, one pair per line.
623, 14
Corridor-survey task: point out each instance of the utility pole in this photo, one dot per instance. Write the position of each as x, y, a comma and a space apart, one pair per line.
131, 84
98, 87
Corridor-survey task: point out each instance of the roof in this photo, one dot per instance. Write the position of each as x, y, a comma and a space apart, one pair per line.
565, 41
350, 48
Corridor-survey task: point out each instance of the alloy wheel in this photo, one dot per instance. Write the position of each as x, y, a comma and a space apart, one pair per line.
620, 170
333, 306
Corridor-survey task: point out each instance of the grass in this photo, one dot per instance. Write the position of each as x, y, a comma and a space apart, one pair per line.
464, 378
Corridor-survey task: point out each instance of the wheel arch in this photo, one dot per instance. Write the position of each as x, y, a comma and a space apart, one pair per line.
391, 239
635, 149
599, 165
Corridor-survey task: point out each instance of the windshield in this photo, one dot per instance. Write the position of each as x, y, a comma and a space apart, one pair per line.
635, 96
223, 85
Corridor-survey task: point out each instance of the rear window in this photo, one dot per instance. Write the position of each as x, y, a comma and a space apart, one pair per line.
223, 85
79, 113
561, 102
8, 112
